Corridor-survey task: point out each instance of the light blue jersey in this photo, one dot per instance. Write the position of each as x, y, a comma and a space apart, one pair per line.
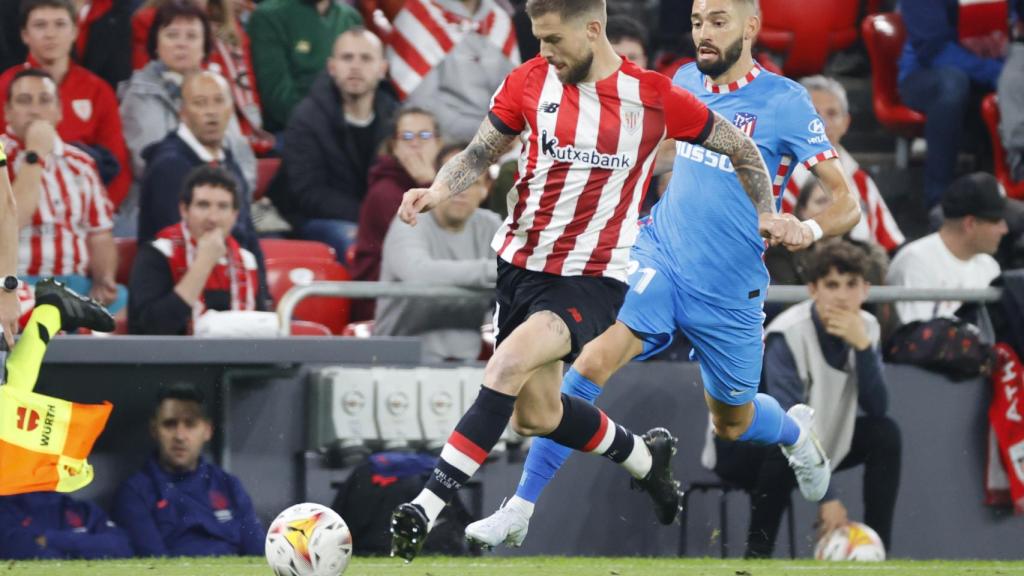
705, 224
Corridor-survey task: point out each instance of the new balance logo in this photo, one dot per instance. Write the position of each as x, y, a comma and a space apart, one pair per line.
550, 147
549, 107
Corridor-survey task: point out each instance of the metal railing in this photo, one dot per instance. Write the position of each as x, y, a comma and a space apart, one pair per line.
776, 294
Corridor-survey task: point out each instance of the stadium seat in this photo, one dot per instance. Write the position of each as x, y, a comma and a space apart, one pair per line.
126, 249
724, 488
285, 272
797, 31
281, 248
883, 36
307, 328
990, 112
266, 169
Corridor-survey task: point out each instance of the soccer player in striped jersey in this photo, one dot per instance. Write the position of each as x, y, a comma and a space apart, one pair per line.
697, 265
590, 124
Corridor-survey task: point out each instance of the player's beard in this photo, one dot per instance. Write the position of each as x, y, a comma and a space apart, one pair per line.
726, 59
578, 72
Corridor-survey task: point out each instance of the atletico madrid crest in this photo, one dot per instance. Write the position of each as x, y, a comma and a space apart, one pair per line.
746, 122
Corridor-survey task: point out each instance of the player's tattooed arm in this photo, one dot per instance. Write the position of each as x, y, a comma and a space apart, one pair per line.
465, 168
746, 159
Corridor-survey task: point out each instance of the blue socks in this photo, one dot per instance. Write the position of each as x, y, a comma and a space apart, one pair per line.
547, 456
771, 425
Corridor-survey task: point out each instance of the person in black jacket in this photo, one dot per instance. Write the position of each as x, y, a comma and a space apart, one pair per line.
206, 109
332, 139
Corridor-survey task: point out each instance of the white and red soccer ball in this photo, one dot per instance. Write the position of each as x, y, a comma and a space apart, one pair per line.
308, 540
854, 541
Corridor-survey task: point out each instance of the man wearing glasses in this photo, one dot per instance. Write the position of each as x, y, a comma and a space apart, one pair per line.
332, 138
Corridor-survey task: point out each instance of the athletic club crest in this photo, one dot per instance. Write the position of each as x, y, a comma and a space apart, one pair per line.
746, 122
631, 120
82, 108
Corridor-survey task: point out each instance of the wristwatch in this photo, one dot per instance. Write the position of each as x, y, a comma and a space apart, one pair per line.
31, 157
10, 283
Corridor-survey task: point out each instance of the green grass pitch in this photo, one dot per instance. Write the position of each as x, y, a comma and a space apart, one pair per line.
524, 566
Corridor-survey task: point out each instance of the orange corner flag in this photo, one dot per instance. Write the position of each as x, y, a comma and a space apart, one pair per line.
44, 441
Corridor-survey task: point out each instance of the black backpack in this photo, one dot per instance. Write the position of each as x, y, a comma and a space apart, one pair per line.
950, 346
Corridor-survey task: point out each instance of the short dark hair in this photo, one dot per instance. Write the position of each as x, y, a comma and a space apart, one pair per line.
207, 175
29, 73
183, 392
446, 150
566, 9
839, 255
621, 27
805, 194
171, 11
28, 6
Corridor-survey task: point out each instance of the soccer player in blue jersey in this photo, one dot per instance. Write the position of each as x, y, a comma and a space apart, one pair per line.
697, 265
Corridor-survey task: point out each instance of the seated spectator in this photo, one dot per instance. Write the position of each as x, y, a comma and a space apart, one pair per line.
63, 210
876, 223
291, 41
410, 161
823, 352
180, 504
89, 119
333, 138
1011, 105
451, 245
179, 41
455, 79
195, 265
959, 255
54, 526
954, 51
200, 138
104, 42
231, 57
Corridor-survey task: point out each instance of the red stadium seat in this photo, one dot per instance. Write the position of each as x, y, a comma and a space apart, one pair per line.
883, 36
285, 272
266, 169
990, 112
807, 32
280, 248
126, 249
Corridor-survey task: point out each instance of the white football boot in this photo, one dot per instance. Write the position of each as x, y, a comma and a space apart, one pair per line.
507, 525
807, 459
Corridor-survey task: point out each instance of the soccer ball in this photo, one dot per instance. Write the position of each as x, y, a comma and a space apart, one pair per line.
308, 540
855, 541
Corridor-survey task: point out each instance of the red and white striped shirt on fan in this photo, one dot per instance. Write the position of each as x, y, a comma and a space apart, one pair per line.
72, 205
588, 153
424, 32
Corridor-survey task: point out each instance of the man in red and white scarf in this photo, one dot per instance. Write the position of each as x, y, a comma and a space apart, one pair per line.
876, 223
194, 265
450, 56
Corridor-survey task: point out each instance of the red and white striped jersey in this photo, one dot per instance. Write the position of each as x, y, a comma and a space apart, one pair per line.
72, 205
876, 222
588, 153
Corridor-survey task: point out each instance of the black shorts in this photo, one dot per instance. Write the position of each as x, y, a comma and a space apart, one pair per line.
587, 304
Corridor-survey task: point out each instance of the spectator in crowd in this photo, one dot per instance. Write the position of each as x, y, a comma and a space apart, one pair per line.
89, 119
876, 223
953, 49
63, 210
291, 41
450, 246
54, 526
629, 38
180, 504
410, 161
200, 138
959, 255
823, 352
179, 40
194, 265
104, 41
455, 79
1011, 102
333, 138
231, 57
